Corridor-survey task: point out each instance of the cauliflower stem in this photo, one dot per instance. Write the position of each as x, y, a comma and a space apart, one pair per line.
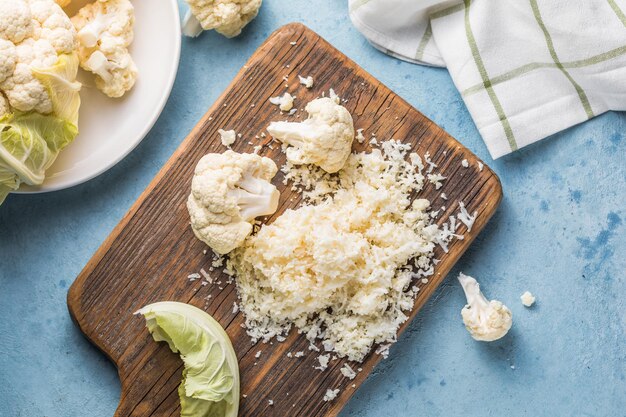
255, 197
485, 320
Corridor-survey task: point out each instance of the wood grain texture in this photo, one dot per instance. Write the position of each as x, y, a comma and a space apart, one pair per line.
149, 255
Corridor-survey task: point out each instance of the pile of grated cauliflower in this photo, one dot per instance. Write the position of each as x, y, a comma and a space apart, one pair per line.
340, 268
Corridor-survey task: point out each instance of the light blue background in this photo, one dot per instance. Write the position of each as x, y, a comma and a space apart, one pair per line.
558, 233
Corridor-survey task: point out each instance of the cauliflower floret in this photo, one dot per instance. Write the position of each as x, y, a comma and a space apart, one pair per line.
485, 320
8, 59
324, 139
227, 17
16, 23
35, 34
105, 31
228, 192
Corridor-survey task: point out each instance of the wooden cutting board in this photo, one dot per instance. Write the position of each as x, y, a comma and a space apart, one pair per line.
151, 252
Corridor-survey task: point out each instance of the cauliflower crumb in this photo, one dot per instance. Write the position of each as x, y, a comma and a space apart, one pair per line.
284, 102
228, 137
528, 299
306, 81
359, 136
436, 179
323, 360
270, 402
258, 354
480, 166
465, 218
331, 394
299, 354
464, 163
347, 371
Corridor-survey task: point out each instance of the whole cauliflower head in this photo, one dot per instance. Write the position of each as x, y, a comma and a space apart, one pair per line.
33, 35
228, 192
324, 139
105, 31
227, 17
485, 320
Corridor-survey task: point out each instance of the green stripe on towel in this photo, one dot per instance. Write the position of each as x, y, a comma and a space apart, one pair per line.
507, 76
486, 81
618, 11
422, 46
581, 93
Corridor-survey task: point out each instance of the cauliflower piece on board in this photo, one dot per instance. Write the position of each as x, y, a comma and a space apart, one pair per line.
284, 102
227, 17
324, 139
33, 35
105, 31
485, 320
228, 192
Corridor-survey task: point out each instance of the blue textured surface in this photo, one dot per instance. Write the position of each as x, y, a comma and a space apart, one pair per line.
559, 233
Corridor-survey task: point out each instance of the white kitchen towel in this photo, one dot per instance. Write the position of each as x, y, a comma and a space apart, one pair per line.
525, 68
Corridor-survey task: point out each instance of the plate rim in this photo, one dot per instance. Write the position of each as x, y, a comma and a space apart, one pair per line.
140, 137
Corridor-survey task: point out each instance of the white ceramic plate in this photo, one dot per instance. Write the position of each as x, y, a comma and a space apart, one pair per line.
111, 128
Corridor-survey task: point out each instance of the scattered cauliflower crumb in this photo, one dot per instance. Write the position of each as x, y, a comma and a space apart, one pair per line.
480, 166
324, 139
359, 136
485, 320
528, 299
347, 371
235, 308
299, 354
228, 137
293, 43
464, 163
270, 402
258, 354
284, 102
227, 17
228, 192
436, 179
465, 218
307, 82
323, 360
331, 394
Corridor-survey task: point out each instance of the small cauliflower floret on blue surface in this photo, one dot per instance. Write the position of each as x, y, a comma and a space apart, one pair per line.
105, 31
227, 17
324, 139
485, 320
228, 192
